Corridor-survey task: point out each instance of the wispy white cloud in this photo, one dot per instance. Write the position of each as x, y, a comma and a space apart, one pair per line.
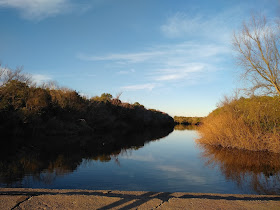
127, 72
183, 52
168, 63
216, 28
41, 78
125, 57
180, 24
38, 9
171, 64
182, 72
148, 86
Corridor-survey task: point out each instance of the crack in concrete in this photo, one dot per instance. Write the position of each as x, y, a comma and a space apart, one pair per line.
162, 202
166, 201
17, 205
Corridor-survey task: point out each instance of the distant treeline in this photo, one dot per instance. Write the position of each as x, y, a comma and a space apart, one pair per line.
188, 120
26, 109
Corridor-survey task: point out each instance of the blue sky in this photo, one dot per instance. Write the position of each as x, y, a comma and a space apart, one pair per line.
175, 56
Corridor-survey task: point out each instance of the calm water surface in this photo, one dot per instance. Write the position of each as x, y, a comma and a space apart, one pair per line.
174, 163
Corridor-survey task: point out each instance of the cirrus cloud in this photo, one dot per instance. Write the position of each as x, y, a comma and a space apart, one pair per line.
215, 28
171, 63
38, 9
148, 86
185, 71
41, 78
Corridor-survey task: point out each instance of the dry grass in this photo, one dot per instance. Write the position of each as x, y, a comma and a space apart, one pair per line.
251, 124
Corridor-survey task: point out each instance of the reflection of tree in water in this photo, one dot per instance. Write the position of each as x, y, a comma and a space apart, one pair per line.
259, 170
41, 163
45, 159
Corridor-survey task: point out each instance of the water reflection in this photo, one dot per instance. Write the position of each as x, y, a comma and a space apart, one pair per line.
259, 171
44, 159
115, 162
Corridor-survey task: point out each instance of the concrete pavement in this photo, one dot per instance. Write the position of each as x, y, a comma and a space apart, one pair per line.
22, 198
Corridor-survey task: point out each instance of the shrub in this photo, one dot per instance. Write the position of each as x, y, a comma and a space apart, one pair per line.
245, 123
52, 111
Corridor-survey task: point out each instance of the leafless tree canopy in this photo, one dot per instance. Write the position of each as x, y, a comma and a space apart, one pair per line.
257, 46
7, 75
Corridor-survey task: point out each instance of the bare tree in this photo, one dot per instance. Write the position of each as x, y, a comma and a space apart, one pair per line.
7, 75
118, 95
257, 46
52, 85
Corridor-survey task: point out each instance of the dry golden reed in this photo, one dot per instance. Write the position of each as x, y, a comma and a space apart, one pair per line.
245, 123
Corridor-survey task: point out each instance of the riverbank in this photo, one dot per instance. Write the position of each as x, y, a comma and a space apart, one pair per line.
23, 198
27, 110
244, 123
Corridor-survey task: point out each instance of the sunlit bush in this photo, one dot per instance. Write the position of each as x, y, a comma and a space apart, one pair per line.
245, 123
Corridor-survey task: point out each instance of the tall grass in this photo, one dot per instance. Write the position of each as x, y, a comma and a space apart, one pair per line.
244, 123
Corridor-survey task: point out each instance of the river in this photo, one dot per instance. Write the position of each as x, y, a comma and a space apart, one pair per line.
173, 163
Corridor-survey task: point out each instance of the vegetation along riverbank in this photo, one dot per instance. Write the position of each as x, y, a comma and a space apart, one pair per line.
30, 110
244, 123
188, 120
